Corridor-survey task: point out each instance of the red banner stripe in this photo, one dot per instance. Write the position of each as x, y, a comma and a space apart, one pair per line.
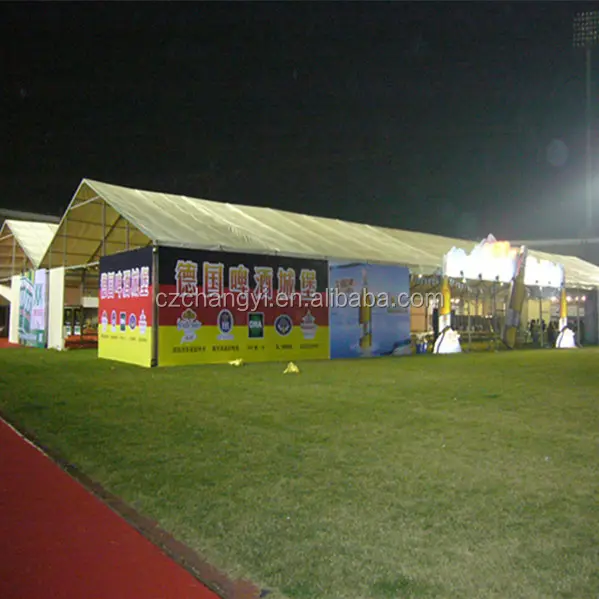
171, 306
131, 305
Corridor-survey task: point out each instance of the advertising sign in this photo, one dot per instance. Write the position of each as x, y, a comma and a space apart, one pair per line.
125, 307
33, 308
543, 273
517, 295
490, 260
217, 307
493, 260
370, 314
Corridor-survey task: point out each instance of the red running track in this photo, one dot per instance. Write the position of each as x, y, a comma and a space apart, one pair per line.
57, 541
4, 343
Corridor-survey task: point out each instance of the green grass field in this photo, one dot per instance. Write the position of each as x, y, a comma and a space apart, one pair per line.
460, 476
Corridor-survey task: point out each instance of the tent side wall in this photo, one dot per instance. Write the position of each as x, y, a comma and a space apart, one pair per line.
591, 318
13, 324
56, 308
208, 313
105, 220
126, 328
178, 306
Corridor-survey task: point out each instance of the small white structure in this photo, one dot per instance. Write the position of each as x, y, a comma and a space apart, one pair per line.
566, 339
23, 245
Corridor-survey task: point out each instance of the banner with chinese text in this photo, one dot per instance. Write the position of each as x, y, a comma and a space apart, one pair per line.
33, 308
125, 307
371, 312
217, 307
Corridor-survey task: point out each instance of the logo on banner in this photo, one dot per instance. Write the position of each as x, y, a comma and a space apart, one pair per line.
308, 326
104, 321
113, 321
188, 324
143, 323
256, 325
283, 325
132, 321
225, 324
123, 321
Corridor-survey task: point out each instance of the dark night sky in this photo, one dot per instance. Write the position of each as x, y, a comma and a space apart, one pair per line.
429, 116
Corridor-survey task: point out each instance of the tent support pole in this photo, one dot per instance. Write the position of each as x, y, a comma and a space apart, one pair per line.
104, 229
155, 311
578, 336
81, 314
494, 320
102, 245
64, 240
541, 339
14, 254
83, 266
85, 202
469, 325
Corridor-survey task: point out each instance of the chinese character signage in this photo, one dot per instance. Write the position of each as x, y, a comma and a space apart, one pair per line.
370, 314
217, 307
125, 307
33, 309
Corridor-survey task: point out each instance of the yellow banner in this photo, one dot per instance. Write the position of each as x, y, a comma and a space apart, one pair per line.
445, 308
563, 305
127, 345
208, 345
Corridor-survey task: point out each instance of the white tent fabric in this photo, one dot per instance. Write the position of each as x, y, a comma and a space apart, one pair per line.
33, 237
134, 218
202, 224
29, 240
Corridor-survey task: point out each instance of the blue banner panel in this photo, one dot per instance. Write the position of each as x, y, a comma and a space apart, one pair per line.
370, 310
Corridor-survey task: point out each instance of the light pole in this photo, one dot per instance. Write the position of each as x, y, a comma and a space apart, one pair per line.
586, 35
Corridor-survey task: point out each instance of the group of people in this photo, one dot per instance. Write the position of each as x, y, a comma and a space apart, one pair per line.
550, 332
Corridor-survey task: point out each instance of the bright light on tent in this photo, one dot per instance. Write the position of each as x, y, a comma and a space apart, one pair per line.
569, 299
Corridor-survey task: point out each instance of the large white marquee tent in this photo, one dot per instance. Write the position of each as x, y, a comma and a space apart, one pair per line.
104, 219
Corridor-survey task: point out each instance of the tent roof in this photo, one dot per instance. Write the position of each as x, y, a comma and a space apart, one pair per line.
579, 273
6, 214
133, 218
27, 240
180, 221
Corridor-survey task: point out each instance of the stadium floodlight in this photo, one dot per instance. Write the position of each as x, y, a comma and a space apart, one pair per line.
586, 35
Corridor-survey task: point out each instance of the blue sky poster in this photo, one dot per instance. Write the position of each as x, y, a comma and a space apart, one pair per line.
369, 314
